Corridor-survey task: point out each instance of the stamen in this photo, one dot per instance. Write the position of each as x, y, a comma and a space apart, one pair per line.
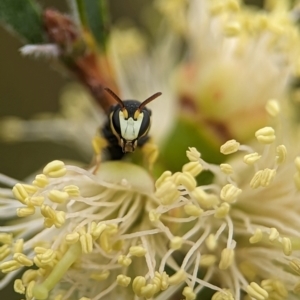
123, 280
229, 193
41, 291
265, 135
257, 292
19, 287
230, 147
227, 257
55, 169
281, 154
188, 293
138, 251
193, 154
273, 108
226, 169
193, 167
251, 158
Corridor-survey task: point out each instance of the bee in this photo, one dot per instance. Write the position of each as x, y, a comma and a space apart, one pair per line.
127, 125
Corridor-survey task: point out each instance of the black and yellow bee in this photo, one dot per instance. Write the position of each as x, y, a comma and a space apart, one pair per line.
127, 125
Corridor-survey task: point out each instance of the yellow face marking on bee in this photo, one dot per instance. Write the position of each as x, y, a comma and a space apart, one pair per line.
130, 128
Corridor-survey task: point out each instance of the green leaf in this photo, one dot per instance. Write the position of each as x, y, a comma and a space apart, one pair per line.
187, 134
94, 15
23, 17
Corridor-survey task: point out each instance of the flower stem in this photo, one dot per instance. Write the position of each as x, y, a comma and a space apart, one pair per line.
41, 291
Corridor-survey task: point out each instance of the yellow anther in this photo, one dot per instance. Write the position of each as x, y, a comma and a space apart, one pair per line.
40, 250
178, 277
124, 260
188, 293
227, 257
257, 236
123, 280
29, 290
19, 287
262, 178
274, 234
157, 282
25, 211
86, 242
100, 276
167, 193
229, 193
297, 163
35, 201
138, 251
29, 275
30, 188
23, 259
295, 265
96, 232
9, 266
20, 193
248, 270
207, 260
163, 177
211, 242
138, 283
164, 280
4, 251
229, 147
193, 154
257, 292
176, 243
40, 180
55, 169
187, 180
251, 158
205, 200
72, 238
222, 211
287, 246
154, 216
58, 196
273, 108
275, 287
48, 212
72, 190
6, 238
281, 154
265, 135
60, 219
47, 257
232, 29
192, 210
224, 295
193, 167
226, 169
148, 290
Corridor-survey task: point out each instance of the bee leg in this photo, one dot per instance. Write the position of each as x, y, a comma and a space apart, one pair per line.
98, 143
150, 153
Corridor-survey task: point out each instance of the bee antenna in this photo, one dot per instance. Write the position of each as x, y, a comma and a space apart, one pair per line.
115, 97
151, 98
